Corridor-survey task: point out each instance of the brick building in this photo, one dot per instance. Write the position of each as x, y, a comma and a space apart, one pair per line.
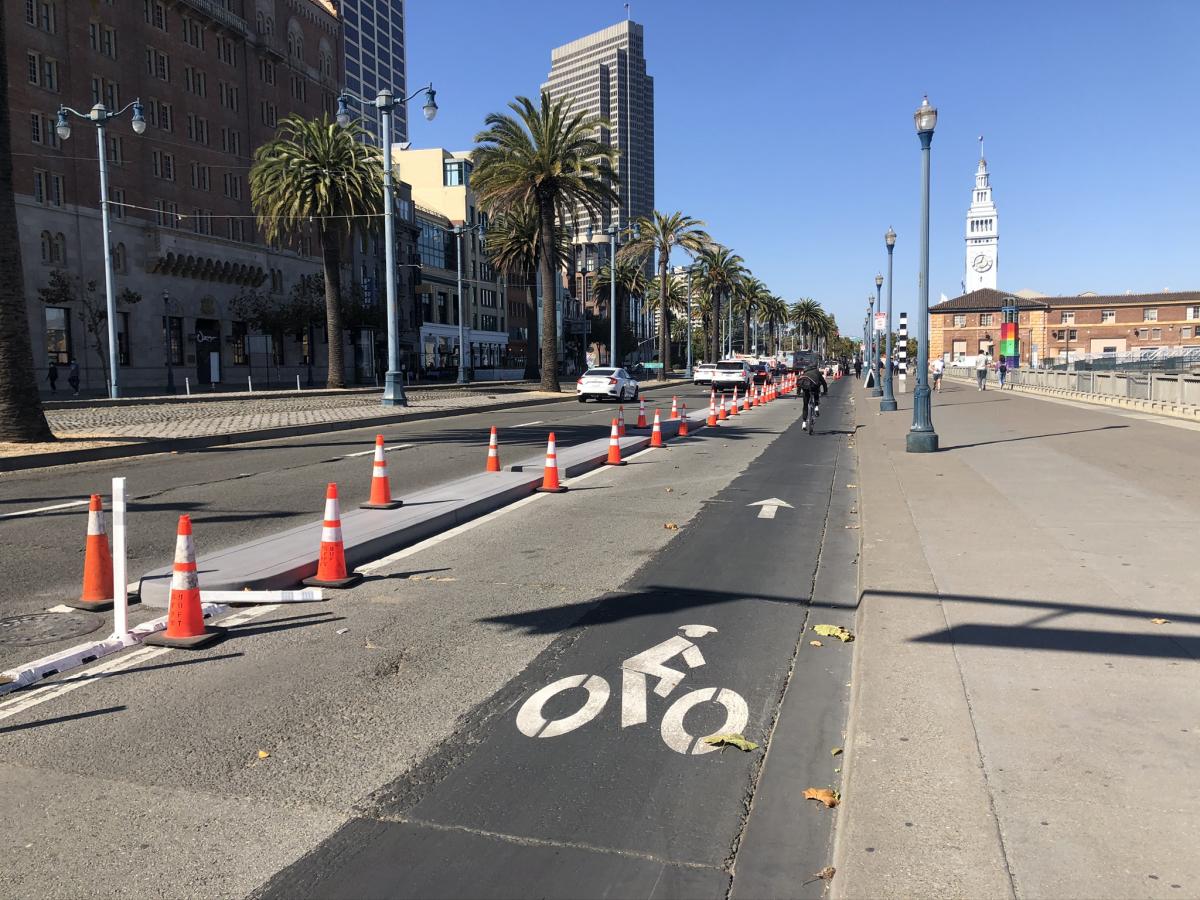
1082, 326
214, 78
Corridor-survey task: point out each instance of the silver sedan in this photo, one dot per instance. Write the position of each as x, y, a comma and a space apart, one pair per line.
606, 384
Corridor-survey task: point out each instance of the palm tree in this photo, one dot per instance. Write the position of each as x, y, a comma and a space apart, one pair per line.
750, 295
775, 313
631, 282
547, 157
660, 234
314, 170
21, 416
805, 315
719, 271
513, 244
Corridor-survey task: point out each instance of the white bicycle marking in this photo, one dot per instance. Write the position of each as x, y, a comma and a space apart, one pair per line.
676, 737
634, 674
532, 723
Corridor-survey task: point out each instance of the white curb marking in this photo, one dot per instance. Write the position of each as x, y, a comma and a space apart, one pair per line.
42, 509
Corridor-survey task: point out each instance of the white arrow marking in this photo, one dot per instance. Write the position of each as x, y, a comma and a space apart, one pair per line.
769, 507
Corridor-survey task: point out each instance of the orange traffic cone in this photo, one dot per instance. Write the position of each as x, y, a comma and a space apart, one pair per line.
641, 422
712, 410
550, 483
493, 463
683, 422
621, 420
746, 403
656, 433
185, 617
614, 447
733, 407
674, 408
381, 489
722, 415
97, 593
331, 564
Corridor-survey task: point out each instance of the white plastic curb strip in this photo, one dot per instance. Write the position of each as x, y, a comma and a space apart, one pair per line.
307, 595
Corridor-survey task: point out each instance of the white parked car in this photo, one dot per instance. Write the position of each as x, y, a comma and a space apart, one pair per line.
606, 384
730, 374
703, 373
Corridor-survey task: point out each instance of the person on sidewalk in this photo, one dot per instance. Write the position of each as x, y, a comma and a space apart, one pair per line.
981, 367
939, 369
73, 377
1001, 372
52, 376
812, 383
857, 367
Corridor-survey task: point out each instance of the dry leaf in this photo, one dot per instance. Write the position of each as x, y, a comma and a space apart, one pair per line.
1160, 621
671, 526
263, 754
826, 874
731, 740
836, 751
815, 644
829, 797
836, 631
670, 490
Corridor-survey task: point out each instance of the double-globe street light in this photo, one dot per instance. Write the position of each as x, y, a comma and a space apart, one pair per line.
876, 362
98, 115
872, 362
613, 231
921, 437
888, 403
385, 102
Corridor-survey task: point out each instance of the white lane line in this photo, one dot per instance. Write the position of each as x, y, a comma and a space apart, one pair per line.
372, 450
42, 509
386, 561
527, 424
38, 695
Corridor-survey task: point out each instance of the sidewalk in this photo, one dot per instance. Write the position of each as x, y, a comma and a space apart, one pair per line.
1020, 726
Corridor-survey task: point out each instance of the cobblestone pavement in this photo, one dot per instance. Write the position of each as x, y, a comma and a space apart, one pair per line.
185, 420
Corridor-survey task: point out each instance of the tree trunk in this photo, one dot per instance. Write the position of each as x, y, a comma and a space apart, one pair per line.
21, 416
746, 331
549, 299
664, 316
531, 326
331, 259
716, 331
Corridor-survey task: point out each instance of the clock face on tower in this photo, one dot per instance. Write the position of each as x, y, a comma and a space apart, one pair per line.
981, 263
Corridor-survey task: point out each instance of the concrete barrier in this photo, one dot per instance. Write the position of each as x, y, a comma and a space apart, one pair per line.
1171, 395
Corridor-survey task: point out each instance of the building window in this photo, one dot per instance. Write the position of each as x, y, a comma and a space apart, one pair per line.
1143, 333
41, 14
233, 186
163, 165
115, 149
54, 248
122, 338
42, 71
1150, 315
228, 95
454, 174
1108, 316
202, 221
167, 213
984, 318
102, 39
158, 64
239, 343
1193, 313
1156, 334
960, 321
266, 71
237, 229
155, 13
268, 113
47, 188
193, 33
118, 258
58, 335
116, 203
201, 176
225, 51
173, 326
1067, 317
1185, 331
231, 141
195, 81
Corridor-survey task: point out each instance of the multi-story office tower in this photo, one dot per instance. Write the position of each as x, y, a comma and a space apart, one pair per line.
373, 46
604, 74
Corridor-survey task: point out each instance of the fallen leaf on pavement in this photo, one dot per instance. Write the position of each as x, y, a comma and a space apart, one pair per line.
829, 797
836, 751
670, 490
815, 644
731, 740
671, 526
836, 631
825, 874
1160, 621
343, 630
263, 754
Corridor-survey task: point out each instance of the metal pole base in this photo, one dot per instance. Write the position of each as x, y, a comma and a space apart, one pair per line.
877, 392
921, 442
886, 405
393, 390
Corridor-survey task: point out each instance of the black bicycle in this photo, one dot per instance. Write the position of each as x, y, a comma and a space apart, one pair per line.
811, 414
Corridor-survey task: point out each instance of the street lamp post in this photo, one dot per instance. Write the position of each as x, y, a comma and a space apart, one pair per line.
459, 231
877, 360
167, 341
98, 115
872, 364
393, 381
888, 403
921, 437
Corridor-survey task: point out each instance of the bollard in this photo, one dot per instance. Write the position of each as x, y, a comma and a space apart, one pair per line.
119, 567
297, 382
249, 384
187, 386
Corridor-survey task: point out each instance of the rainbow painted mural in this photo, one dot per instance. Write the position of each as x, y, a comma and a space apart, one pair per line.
1010, 351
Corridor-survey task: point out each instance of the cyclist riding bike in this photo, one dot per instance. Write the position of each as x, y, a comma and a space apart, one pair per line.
812, 385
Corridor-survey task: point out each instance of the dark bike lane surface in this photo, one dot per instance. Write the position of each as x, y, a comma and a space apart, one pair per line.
584, 778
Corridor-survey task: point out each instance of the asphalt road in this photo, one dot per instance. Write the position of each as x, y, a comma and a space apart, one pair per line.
239, 492
387, 716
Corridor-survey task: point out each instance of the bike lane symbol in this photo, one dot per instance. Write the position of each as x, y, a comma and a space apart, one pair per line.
635, 673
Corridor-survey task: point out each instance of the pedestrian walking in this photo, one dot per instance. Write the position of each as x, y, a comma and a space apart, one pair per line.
73, 376
52, 376
1002, 372
981, 367
939, 369
857, 367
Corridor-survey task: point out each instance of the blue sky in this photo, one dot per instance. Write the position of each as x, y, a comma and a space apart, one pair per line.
787, 127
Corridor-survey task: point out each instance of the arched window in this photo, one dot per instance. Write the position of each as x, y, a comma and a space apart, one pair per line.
47, 248
60, 249
295, 40
259, 22
270, 26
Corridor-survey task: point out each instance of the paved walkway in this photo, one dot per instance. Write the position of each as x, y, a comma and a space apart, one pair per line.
1024, 720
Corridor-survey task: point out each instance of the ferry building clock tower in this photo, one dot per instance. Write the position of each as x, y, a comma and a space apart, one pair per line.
983, 232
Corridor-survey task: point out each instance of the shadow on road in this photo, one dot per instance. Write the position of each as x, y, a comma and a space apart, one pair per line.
59, 719
1030, 437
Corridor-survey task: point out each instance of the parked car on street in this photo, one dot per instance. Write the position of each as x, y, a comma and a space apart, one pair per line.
761, 373
730, 374
703, 373
606, 384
